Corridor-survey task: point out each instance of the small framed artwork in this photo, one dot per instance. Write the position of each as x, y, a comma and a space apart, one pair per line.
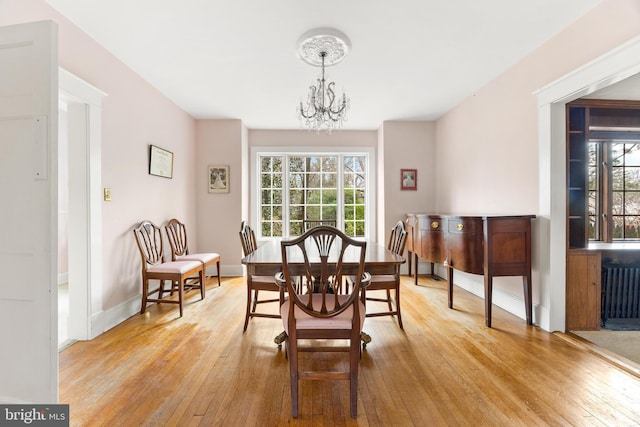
408, 179
218, 179
160, 162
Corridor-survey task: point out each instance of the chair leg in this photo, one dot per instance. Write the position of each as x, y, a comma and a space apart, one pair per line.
255, 301
246, 317
203, 281
218, 264
180, 295
354, 356
293, 371
398, 306
145, 294
389, 300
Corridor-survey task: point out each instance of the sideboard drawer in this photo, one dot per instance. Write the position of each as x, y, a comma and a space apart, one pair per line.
464, 225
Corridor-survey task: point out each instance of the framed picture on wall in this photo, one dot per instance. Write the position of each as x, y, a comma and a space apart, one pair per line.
218, 179
408, 179
160, 162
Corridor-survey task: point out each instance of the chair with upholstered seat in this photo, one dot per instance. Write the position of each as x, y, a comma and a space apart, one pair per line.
388, 282
316, 310
257, 283
155, 267
177, 235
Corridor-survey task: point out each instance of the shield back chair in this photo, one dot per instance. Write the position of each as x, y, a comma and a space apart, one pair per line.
149, 240
316, 310
177, 235
257, 283
388, 282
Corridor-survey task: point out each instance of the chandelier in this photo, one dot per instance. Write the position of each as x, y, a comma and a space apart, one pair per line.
323, 111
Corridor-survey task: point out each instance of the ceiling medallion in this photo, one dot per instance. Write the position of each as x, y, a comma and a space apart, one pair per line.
323, 47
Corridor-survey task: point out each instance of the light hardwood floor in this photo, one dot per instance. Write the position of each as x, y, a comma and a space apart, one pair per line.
445, 369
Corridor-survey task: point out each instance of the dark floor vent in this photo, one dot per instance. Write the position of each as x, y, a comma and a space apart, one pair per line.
620, 293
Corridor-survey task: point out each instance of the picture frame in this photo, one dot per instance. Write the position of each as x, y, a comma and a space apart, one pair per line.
160, 162
408, 179
218, 178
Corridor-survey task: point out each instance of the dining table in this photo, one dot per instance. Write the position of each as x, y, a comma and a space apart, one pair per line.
267, 261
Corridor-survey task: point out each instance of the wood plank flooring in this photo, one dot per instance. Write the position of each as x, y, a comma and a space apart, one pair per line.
445, 369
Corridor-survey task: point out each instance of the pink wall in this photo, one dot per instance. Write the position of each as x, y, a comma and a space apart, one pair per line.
407, 145
134, 114
488, 145
219, 142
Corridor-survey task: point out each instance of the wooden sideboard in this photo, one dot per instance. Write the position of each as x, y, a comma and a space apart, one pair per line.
493, 246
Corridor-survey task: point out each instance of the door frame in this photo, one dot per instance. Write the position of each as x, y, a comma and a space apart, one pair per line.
606, 70
85, 204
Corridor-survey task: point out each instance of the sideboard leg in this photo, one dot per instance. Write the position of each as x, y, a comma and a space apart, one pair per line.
488, 295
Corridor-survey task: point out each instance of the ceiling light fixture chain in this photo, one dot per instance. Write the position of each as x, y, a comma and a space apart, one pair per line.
323, 111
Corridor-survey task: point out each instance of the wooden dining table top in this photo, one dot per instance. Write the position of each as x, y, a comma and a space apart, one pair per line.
267, 259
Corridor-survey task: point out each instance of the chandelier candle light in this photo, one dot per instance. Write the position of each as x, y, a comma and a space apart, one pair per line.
323, 47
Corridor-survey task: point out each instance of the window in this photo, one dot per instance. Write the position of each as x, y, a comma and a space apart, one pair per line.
295, 187
614, 190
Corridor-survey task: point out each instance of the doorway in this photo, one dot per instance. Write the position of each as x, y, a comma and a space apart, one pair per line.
80, 170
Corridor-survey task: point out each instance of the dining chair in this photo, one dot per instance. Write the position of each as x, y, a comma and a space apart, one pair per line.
177, 236
155, 267
316, 310
257, 283
389, 282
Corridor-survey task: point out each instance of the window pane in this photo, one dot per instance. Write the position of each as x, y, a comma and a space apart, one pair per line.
296, 180
631, 227
313, 180
617, 176
329, 180
266, 197
632, 203
329, 212
632, 178
277, 197
277, 213
632, 155
329, 197
617, 227
314, 164
296, 213
349, 213
329, 164
266, 212
313, 212
277, 229
296, 197
296, 164
313, 196
617, 206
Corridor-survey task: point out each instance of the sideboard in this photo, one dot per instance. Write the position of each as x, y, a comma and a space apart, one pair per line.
493, 246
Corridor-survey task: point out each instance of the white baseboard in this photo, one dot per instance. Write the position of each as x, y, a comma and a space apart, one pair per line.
474, 283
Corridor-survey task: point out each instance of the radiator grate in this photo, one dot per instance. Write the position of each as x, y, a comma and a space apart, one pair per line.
620, 293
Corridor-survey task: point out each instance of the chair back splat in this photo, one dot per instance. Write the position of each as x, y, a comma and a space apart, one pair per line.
314, 268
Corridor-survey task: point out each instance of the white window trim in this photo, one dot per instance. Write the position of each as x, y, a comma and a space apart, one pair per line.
370, 194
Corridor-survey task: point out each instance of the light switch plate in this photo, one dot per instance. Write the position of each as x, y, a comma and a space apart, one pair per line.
107, 194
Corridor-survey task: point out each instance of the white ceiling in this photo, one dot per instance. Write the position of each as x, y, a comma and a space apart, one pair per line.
410, 59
